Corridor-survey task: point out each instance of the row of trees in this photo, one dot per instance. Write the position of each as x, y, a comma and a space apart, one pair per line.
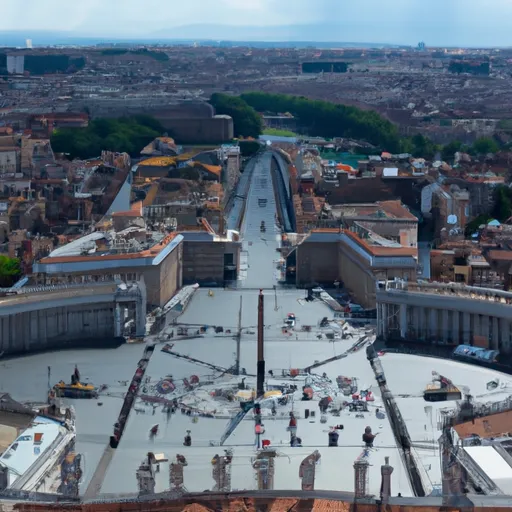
124, 135
10, 271
247, 122
481, 146
325, 119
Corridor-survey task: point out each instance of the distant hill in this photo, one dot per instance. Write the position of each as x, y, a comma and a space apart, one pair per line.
311, 34
317, 35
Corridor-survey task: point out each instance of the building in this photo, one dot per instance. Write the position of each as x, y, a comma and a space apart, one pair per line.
33, 460
14, 419
9, 161
449, 207
209, 259
448, 314
161, 146
44, 124
326, 256
389, 219
15, 64
127, 254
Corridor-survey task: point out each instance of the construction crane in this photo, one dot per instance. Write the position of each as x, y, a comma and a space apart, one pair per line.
168, 350
245, 407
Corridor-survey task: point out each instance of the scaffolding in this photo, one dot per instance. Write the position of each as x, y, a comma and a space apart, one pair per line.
264, 465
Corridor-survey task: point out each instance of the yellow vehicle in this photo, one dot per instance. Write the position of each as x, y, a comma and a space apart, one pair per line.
76, 389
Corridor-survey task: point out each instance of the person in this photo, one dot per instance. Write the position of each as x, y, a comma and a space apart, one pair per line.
153, 431
292, 425
368, 437
333, 438
295, 441
188, 439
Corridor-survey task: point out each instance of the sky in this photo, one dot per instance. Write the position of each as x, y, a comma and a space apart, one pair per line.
437, 22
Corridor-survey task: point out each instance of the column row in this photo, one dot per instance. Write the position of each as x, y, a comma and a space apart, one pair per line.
442, 325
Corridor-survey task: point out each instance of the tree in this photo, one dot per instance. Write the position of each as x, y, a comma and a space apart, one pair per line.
423, 147
125, 135
325, 119
10, 271
472, 227
246, 121
448, 151
485, 145
502, 203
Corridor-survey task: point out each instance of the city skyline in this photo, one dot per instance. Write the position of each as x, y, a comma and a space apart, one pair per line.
438, 22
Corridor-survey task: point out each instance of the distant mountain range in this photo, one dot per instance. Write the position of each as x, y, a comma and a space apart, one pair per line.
321, 36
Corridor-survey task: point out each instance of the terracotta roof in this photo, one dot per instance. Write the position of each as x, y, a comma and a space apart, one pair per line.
500, 255
487, 426
236, 504
377, 250
158, 161
137, 207
397, 209
128, 213
166, 140
214, 169
326, 230
150, 196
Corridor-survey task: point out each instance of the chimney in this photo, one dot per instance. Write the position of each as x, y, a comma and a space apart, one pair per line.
385, 485
361, 479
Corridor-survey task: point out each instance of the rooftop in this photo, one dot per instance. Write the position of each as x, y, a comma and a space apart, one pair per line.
374, 246
102, 246
280, 352
29, 446
386, 210
423, 418
494, 465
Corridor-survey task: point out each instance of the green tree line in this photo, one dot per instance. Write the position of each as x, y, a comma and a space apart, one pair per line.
325, 119
41, 64
124, 135
10, 271
247, 122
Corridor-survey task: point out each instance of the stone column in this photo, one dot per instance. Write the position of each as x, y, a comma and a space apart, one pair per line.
433, 329
476, 325
455, 334
504, 335
140, 318
445, 330
380, 321
385, 321
485, 326
403, 321
466, 328
495, 344
118, 321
